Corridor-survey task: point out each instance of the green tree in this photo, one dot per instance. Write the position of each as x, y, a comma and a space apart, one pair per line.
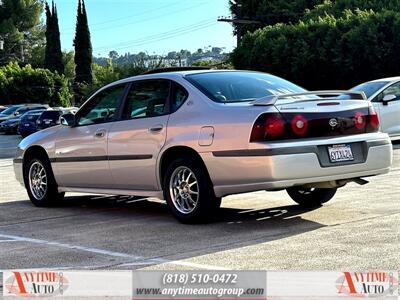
326, 52
53, 54
20, 29
83, 47
269, 12
338, 8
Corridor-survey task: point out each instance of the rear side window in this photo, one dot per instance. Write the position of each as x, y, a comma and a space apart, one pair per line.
179, 96
147, 99
50, 115
32, 117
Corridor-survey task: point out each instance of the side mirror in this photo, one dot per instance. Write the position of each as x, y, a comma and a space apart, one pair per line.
67, 120
388, 98
16, 113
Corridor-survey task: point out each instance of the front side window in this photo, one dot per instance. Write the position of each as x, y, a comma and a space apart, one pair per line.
392, 90
147, 99
102, 107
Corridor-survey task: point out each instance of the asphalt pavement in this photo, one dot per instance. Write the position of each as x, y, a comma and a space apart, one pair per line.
357, 230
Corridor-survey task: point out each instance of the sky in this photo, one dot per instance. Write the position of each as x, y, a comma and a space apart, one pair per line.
151, 26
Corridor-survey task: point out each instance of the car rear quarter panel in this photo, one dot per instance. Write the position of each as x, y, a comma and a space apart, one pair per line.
232, 125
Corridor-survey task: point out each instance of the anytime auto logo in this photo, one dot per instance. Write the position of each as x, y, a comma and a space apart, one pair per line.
367, 284
35, 284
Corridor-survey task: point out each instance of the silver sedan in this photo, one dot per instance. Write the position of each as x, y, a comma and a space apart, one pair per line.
192, 137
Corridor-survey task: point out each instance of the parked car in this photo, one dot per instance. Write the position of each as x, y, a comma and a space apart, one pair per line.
385, 96
9, 112
27, 125
192, 137
18, 110
51, 117
11, 126
3, 108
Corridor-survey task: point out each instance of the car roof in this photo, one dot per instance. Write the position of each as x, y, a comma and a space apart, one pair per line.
169, 75
388, 79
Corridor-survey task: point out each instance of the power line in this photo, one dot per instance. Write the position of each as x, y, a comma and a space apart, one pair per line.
167, 37
163, 34
164, 14
128, 17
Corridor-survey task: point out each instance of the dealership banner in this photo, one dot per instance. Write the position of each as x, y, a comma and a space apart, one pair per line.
149, 285
41, 283
321, 285
199, 285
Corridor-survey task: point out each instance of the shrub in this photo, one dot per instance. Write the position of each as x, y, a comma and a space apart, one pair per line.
327, 52
29, 85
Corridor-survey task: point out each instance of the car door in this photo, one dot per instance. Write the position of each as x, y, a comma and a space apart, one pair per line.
389, 112
81, 151
135, 141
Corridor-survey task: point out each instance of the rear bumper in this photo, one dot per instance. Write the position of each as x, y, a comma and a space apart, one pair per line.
265, 168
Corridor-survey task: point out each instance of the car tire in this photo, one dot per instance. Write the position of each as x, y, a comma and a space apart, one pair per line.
42, 191
307, 197
189, 192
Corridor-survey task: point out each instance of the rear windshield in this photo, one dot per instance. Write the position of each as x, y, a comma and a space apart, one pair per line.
53, 115
226, 87
31, 117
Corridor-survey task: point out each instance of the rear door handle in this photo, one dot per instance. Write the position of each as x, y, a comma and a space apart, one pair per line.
100, 133
156, 128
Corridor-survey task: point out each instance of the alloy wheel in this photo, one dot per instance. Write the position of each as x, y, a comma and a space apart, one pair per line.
184, 190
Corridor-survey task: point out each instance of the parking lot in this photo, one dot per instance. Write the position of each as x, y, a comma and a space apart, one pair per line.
357, 230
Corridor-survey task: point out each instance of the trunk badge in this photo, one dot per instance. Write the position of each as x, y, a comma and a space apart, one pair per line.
333, 123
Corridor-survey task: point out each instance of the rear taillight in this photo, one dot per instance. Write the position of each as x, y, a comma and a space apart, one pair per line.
274, 126
299, 125
360, 120
373, 119
268, 126
292, 125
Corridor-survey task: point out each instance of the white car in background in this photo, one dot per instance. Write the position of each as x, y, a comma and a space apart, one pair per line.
385, 95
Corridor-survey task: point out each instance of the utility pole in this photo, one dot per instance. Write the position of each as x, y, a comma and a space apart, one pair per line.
237, 20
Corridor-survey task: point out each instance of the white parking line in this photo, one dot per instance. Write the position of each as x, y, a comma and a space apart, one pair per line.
136, 260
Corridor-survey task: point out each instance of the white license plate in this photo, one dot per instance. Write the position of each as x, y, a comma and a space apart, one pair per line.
47, 122
26, 125
339, 153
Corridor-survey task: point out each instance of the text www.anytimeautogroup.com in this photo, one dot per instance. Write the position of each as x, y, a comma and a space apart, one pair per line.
200, 292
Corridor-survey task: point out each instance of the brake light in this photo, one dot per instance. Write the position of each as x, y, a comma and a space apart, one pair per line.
267, 127
299, 125
274, 126
360, 120
373, 118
